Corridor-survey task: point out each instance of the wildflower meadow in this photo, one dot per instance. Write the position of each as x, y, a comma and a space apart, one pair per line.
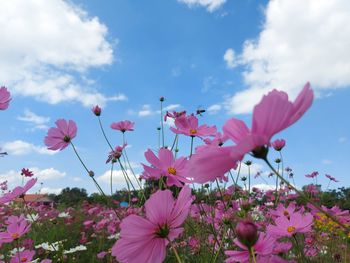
190, 203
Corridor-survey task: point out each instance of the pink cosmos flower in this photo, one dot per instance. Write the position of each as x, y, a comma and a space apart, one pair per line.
145, 239
278, 144
312, 175
4, 98
263, 249
17, 191
296, 223
96, 110
116, 153
165, 165
188, 125
174, 114
18, 227
331, 178
281, 210
26, 172
25, 256
123, 126
60, 137
273, 114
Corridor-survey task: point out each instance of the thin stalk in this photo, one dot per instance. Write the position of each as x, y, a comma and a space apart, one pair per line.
162, 121
301, 194
175, 252
103, 132
111, 181
192, 138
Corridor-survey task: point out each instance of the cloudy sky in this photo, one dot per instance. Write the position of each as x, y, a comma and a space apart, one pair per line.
58, 58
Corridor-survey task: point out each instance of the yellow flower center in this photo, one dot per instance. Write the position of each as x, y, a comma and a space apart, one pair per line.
23, 259
193, 131
291, 229
172, 170
15, 235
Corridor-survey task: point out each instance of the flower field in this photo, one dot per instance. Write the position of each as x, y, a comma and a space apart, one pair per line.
185, 206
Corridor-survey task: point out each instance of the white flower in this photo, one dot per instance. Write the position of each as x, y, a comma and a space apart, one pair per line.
32, 217
75, 249
63, 215
115, 236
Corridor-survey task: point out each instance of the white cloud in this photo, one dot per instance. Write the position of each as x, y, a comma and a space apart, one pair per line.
301, 40
264, 187
39, 122
117, 178
214, 109
171, 107
145, 111
45, 43
14, 177
254, 169
230, 58
49, 190
210, 5
19, 147
47, 174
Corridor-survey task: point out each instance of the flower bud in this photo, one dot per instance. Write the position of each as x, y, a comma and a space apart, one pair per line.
247, 233
96, 110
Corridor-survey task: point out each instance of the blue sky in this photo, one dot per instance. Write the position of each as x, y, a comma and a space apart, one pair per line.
63, 57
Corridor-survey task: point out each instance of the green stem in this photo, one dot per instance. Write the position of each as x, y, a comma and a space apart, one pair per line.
192, 138
162, 121
103, 132
111, 181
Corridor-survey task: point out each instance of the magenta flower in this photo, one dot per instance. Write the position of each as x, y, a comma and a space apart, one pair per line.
188, 125
25, 256
18, 227
123, 126
288, 226
278, 144
247, 232
145, 239
116, 153
174, 114
96, 110
17, 191
263, 249
26, 172
212, 163
165, 165
273, 114
60, 137
331, 178
4, 98
281, 210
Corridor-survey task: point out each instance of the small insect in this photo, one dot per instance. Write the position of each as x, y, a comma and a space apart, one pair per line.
200, 110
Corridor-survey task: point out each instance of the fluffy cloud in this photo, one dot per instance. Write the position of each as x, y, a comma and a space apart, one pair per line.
49, 190
214, 109
145, 111
45, 43
301, 40
117, 179
19, 147
38, 122
210, 5
230, 58
14, 177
